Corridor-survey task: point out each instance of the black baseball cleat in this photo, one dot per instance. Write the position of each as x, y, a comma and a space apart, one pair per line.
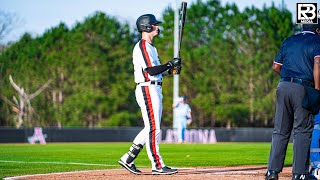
164, 171
131, 168
172, 168
272, 175
304, 177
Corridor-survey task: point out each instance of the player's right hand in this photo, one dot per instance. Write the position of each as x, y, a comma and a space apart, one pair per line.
177, 69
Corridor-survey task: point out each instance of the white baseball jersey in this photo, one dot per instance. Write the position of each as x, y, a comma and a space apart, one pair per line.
182, 111
149, 99
145, 55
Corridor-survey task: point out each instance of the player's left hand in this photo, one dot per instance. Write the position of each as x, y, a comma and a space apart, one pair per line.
174, 62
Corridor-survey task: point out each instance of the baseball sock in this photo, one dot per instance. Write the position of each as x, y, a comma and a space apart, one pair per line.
132, 153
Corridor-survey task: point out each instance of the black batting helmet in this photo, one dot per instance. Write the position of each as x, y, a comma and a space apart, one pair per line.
144, 23
311, 27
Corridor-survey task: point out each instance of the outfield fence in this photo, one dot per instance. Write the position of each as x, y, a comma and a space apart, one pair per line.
121, 134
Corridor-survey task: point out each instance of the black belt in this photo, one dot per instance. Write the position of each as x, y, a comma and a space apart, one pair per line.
152, 82
298, 81
156, 83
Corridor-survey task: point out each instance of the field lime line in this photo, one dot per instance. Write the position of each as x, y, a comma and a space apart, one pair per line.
60, 173
67, 163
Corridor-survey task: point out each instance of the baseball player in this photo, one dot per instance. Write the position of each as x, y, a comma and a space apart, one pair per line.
315, 147
183, 117
148, 73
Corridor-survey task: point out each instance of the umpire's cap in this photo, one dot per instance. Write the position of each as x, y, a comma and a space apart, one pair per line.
144, 22
311, 27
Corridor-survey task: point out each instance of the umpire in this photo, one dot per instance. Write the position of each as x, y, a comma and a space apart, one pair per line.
298, 64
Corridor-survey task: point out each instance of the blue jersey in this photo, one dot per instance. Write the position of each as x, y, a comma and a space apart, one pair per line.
296, 55
317, 118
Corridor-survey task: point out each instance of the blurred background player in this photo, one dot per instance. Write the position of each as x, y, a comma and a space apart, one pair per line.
148, 73
315, 147
183, 117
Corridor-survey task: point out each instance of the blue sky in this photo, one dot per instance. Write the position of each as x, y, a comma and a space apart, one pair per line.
38, 15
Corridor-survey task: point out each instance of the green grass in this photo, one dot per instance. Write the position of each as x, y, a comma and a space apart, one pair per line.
22, 159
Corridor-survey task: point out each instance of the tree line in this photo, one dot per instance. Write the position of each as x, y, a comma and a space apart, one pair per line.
87, 70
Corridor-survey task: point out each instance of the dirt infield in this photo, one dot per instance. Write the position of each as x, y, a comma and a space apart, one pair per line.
202, 173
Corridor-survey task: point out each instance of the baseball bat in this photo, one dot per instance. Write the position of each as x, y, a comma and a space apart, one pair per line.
182, 19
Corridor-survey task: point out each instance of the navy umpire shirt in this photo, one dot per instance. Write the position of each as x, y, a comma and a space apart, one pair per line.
296, 55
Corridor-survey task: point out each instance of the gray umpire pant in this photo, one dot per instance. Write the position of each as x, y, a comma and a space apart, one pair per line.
291, 115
